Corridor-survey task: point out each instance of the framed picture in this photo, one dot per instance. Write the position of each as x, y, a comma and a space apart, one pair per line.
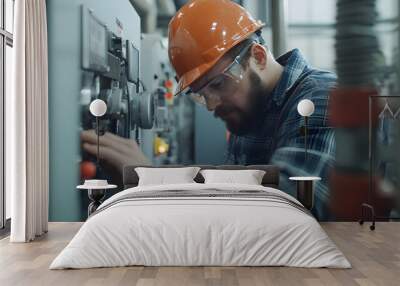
384, 155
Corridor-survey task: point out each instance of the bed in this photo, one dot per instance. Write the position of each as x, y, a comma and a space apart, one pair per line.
198, 224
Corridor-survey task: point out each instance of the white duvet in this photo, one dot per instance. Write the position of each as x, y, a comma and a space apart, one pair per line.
200, 231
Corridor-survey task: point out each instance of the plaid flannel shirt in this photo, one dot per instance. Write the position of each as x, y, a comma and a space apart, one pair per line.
276, 139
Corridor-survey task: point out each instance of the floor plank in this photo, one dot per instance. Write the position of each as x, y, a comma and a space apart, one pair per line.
375, 257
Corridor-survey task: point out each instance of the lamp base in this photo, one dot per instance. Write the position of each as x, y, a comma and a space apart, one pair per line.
305, 193
96, 197
303, 130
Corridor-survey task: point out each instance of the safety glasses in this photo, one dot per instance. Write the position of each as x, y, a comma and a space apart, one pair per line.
223, 84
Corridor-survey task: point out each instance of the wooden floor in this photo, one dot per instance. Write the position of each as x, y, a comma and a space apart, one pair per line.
375, 257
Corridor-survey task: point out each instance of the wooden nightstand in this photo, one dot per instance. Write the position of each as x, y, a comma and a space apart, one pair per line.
96, 193
305, 190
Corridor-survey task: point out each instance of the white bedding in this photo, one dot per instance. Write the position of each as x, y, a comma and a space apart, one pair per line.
200, 231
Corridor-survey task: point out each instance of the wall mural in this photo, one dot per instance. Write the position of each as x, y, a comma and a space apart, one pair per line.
304, 123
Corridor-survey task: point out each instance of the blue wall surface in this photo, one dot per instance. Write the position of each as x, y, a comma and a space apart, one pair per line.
64, 46
210, 138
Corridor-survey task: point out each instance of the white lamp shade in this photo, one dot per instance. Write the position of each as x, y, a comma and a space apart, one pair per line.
305, 107
98, 107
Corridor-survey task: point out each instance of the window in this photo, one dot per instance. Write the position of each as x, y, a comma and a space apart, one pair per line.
6, 60
312, 30
387, 29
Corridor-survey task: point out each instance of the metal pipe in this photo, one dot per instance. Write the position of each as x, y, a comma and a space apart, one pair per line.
147, 10
279, 25
305, 139
98, 141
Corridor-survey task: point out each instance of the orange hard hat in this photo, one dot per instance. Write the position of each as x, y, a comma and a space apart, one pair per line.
201, 32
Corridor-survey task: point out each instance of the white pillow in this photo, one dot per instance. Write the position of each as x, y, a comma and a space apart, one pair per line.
162, 176
248, 177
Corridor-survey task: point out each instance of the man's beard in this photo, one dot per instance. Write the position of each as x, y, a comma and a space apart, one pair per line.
239, 121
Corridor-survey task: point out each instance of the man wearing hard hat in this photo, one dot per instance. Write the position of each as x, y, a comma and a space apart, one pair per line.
221, 61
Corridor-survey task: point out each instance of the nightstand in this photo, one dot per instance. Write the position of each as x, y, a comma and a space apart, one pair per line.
305, 190
96, 192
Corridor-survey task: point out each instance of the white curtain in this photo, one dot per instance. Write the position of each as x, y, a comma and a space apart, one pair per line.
27, 123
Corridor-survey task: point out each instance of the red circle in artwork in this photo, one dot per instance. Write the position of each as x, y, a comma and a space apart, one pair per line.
88, 170
168, 95
168, 83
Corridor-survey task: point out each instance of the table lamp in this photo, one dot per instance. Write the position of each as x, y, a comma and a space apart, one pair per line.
305, 108
98, 108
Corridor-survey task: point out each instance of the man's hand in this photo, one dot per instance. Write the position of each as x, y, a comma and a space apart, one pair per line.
114, 150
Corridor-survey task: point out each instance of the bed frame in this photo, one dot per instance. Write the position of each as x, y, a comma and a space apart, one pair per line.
270, 179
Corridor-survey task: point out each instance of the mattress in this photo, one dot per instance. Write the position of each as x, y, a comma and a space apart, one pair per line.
201, 225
